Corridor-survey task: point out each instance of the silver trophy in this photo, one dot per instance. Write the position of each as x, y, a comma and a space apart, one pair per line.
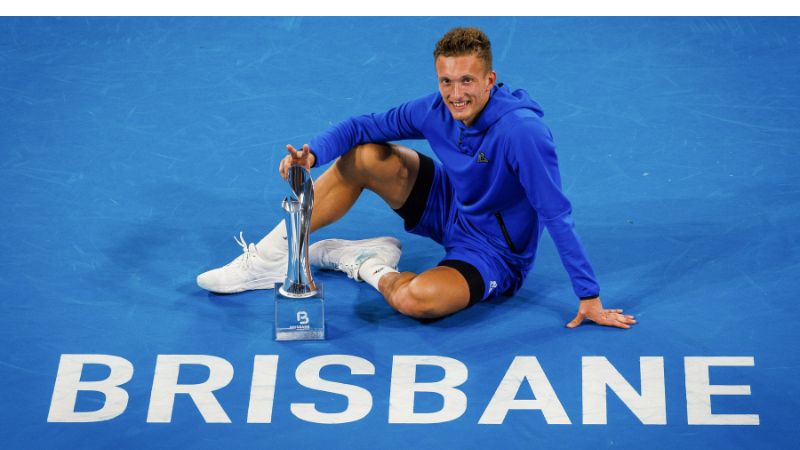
299, 303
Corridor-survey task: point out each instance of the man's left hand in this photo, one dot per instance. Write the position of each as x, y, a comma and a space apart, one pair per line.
593, 310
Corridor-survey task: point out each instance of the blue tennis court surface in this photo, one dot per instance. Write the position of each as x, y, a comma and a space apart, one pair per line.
132, 150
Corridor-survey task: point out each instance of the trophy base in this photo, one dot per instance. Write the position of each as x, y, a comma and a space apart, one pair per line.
299, 318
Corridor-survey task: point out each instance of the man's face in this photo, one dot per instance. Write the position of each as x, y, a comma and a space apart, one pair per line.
465, 85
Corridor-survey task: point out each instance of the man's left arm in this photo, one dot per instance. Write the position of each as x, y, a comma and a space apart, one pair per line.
399, 123
533, 157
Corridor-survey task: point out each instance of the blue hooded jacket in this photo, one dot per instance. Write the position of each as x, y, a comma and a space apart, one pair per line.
503, 168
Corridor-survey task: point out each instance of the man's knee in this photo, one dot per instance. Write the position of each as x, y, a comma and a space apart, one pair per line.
366, 156
388, 170
424, 300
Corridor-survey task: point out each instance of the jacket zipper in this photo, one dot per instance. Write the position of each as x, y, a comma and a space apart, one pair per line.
505, 232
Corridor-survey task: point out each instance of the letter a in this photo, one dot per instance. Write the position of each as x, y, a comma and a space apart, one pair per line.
524, 368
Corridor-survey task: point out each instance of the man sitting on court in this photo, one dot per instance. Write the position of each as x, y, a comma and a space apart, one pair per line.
496, 189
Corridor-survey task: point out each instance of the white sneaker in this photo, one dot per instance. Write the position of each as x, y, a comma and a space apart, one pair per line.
347, 256
247, 272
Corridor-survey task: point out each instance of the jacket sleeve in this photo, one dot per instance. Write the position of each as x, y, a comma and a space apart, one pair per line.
402, 122
533, 158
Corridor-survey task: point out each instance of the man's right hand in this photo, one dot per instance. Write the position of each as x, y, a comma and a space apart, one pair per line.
302, 157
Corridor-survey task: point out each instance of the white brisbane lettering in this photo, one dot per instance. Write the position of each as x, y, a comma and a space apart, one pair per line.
404, 387
68, 384
650, 407
599, 377
165, 387
699, 391
359, 400
262, 389
525, 368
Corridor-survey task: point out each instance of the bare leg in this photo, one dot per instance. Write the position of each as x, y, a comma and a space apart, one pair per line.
390, 171
437, 292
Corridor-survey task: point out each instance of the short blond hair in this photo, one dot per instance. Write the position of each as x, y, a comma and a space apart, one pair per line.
465, 41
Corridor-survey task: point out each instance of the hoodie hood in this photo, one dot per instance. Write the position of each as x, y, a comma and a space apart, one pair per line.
501, 102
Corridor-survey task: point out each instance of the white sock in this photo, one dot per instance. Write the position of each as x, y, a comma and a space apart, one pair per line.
274, 242
373, 270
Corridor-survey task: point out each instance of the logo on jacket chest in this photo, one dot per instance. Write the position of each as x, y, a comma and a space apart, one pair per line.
482, 159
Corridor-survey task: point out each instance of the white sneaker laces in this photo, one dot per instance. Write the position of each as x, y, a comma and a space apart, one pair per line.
244, 260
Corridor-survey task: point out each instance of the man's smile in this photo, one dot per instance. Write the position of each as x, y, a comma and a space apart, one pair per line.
460, 105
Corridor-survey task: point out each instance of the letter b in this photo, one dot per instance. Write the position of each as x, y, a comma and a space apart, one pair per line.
68, 383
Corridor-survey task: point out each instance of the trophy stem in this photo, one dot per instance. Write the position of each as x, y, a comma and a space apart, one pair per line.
298, 283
